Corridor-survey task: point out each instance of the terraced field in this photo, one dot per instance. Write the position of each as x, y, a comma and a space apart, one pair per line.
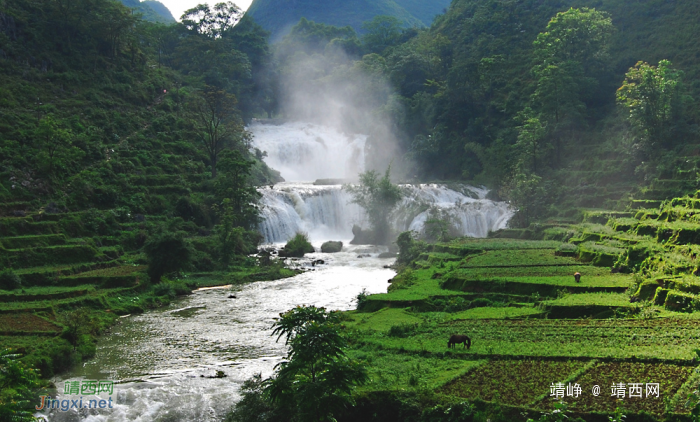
533, 326
87, 263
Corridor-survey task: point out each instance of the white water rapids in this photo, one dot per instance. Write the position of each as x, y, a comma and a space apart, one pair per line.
162, 362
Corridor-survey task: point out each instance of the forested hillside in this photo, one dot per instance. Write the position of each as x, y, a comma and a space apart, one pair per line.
278, 16
523, 96
123, 161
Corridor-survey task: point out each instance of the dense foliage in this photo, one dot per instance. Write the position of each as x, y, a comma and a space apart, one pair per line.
316, 380
18, 386
104, 111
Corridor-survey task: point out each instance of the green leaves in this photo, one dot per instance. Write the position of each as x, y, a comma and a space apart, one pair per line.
167, 252
378, 197
212, 22
317, 379
17, 383
653, 95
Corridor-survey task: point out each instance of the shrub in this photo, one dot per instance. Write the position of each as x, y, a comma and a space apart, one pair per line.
167, 252
9, 280
362, 299
298, 246
481, 302
171, 289
402, 330
409, 248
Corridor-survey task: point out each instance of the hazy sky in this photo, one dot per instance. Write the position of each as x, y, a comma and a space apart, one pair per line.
178, 7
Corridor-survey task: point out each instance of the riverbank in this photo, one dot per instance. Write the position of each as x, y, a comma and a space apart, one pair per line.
164, 362
39, 322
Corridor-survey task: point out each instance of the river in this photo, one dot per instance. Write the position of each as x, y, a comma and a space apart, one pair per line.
161, 360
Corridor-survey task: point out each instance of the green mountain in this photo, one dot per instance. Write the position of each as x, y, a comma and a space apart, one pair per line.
160, 9
152, 10
278, 16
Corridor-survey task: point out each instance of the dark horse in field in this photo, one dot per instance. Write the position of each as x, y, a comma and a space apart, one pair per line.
454, 340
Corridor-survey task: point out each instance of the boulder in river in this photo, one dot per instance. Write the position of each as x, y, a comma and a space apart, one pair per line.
331, 246
362, 236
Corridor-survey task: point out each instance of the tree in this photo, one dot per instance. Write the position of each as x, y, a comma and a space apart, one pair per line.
654, 98
578, 35
217, 125
233, 184
528, 193
381, 32
233, 239
378, 196
18, 386
55, 145
531, 144
317, 379
167, 252
212, 22
570, 56
78, 326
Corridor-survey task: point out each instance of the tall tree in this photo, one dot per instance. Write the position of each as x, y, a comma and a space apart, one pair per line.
569, 55
217, 125
653, 95
378, 196
381, 32
212, 22
233, 186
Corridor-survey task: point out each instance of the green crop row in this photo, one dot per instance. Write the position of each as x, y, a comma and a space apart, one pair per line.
516, 258
664, 339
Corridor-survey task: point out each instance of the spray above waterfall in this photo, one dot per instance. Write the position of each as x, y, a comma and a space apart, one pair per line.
306, 152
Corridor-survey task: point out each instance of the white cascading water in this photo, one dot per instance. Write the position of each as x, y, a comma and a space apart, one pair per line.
305, 152
324, 212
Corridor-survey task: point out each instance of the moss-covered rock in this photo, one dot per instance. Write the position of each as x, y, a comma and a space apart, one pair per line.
332, 246
647, 290
681, 301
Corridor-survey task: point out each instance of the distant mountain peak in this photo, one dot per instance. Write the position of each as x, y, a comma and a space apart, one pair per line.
152, 10
278, 16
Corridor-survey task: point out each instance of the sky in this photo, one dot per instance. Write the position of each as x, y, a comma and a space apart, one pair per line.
178, 7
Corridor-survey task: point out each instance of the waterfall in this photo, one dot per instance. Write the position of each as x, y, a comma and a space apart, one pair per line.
306, 152
324, 212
